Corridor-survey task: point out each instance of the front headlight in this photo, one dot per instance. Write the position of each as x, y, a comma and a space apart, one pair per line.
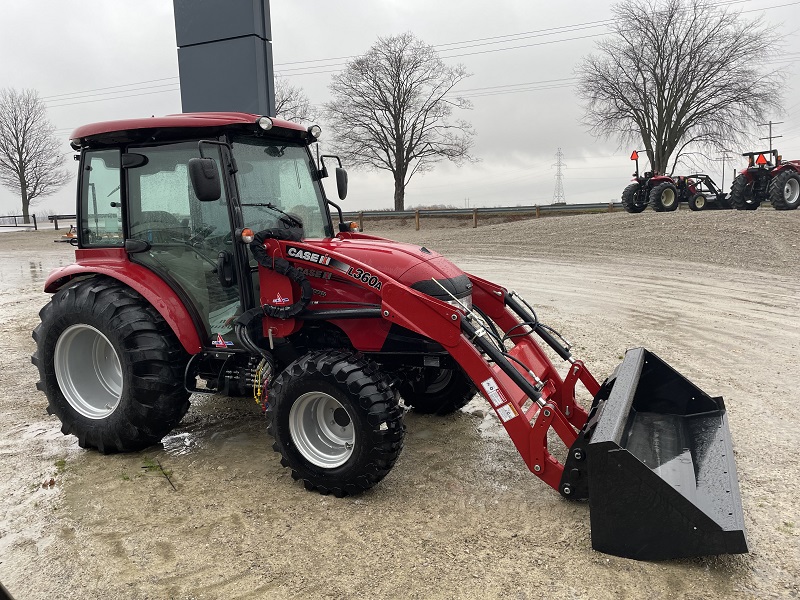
464, 303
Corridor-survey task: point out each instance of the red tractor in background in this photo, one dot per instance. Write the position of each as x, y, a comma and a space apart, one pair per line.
207, 261
764, 179
650, 189
664, 193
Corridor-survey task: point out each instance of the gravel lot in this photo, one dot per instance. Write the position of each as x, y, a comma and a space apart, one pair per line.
715, 294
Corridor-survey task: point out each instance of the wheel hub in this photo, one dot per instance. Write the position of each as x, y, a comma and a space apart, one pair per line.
791, 191
88, 371
322, 430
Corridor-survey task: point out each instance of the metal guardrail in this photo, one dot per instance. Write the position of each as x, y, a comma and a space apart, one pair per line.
18, 224
534, 211
54, 219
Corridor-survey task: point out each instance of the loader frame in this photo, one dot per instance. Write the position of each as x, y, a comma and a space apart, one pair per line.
528, 401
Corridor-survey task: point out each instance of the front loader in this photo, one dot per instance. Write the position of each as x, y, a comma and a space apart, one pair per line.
207, 261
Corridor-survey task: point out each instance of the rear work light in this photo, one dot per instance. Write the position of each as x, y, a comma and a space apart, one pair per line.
265, 123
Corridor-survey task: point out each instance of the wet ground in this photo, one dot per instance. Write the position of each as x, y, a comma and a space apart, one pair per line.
459, 515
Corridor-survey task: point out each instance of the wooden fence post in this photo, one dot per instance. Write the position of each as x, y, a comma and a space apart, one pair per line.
416, 218
474, 218
361, 221
610, 207
537, 211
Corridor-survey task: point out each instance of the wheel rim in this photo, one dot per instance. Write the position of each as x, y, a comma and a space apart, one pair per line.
700, 201
667, 198
322, 430
791, 191
88, 371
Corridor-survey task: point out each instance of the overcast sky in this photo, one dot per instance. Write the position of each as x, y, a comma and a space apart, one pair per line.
97, 60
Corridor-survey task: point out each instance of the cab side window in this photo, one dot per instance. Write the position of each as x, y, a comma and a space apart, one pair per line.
101, 210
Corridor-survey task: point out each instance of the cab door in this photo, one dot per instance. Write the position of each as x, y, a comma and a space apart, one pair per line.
190, 243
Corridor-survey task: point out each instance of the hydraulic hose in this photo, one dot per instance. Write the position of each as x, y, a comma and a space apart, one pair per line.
284, 267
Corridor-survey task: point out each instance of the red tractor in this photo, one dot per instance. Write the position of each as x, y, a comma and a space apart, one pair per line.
764, 179
207, 261
664, 192
658, 191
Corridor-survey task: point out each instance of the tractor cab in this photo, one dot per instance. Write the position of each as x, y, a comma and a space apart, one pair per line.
137, 196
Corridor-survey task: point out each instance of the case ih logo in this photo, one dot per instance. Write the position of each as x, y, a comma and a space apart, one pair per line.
220, 343
278, 299
308, 255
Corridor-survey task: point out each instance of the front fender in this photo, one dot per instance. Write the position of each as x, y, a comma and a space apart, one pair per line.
114, 263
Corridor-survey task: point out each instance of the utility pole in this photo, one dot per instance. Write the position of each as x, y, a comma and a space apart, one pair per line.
726, 156
558, 193
771, 137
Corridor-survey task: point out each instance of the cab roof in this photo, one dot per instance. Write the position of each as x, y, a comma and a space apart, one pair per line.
210, 123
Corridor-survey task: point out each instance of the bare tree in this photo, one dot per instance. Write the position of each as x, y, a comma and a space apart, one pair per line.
391, 110
292, 104
676, 73
30, 155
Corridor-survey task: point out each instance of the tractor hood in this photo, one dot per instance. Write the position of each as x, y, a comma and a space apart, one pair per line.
412, 265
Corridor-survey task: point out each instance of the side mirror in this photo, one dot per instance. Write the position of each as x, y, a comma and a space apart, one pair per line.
341, 182
205, 179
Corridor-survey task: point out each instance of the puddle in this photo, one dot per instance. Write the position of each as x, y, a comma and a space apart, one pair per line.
218, 425
16, 272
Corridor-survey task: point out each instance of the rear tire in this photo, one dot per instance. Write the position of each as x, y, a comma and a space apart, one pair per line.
741, 196
784, 191
664, 197
336, 422
111, 367
698, 202
631, 199
442, 392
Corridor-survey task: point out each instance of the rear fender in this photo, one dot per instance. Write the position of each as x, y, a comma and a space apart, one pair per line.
114, 263
789, 166
655, 180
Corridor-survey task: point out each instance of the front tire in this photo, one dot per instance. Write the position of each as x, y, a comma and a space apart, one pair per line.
698, 202
664, 197
111, 367
784, 191
336, 422
741, 196
438, 391
631, 199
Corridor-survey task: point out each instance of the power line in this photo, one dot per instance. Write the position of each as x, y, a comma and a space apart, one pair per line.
59, 100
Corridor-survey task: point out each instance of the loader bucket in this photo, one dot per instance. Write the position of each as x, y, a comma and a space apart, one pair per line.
662, 476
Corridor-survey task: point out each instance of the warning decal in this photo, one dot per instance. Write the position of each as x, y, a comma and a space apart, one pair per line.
506, 412
493, 392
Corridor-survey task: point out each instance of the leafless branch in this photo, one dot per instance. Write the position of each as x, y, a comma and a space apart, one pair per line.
389, 111
678, 73
31, 160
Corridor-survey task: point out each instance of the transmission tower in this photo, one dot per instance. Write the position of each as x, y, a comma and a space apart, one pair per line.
558, 193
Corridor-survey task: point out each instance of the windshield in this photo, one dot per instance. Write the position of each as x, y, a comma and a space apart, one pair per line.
275, 177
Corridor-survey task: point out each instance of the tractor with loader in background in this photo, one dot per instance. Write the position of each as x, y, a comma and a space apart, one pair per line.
207, 261
664, 193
